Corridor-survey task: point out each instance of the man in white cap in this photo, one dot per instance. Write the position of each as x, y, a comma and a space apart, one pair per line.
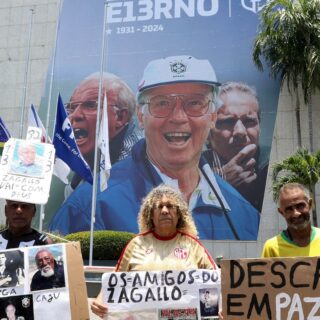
176, 110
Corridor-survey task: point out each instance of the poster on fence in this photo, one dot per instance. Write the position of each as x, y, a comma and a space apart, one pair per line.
41, 283
277, 288
162, 295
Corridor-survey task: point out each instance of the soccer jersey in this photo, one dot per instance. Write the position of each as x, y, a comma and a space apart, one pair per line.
33, 238
149, 251
282, 246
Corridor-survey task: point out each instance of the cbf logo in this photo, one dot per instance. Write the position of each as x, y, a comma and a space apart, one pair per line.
181, 253
26, 302
254, 5
178, 67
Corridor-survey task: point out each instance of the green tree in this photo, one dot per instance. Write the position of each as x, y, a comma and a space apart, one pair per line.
302, 167
289, 41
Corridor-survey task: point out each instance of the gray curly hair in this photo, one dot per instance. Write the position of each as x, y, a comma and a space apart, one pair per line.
185, 220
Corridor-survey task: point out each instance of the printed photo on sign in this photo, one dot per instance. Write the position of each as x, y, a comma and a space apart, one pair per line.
17, 308
47, 268
176, 314
209, 303
12, 273
28, 159
134, 315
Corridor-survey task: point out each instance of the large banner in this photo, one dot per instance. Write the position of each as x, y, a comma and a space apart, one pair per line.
189, 294
168, 38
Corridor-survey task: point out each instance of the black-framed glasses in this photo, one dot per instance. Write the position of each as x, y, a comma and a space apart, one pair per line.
88, 106
194, 105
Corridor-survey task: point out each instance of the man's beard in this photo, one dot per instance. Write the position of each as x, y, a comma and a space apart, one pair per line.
47, 272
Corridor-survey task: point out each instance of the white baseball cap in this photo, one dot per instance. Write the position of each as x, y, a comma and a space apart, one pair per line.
177, 69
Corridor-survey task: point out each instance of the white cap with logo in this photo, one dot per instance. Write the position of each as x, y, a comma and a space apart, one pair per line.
177, 69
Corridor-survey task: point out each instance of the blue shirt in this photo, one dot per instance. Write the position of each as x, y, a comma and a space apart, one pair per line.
130, 181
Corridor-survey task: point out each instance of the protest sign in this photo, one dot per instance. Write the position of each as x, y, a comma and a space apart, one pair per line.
278, 288
45, 282
26, 170
188, 294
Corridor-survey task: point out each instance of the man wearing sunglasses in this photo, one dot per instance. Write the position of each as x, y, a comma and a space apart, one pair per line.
300, 238
19, 233
176, 110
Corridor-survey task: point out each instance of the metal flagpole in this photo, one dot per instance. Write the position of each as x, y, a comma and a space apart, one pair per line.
49, 98
94, 186
25, 81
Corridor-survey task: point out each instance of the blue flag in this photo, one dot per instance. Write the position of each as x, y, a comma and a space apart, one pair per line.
66, 145
4, 135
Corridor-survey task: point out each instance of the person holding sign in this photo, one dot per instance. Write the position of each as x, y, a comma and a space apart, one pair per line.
167, 239
300, 238
19, 233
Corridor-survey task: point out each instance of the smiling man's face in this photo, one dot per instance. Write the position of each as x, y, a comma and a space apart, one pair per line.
176, 141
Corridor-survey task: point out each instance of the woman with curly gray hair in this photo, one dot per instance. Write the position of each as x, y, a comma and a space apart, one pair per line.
167, 239
185, 221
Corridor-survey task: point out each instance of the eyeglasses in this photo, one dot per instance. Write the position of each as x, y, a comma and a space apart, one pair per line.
194, 105
89, 106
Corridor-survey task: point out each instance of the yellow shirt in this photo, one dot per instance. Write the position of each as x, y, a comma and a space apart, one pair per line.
150, 252
282, 246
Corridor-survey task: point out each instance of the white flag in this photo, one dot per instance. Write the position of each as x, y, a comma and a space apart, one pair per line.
60, 168
103, 143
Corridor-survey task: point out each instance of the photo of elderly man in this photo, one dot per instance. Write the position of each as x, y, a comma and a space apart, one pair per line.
50, 273
177, 103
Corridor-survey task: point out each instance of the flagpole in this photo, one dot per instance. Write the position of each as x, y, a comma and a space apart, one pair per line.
25, 81
42, 213
52, 72
94, 185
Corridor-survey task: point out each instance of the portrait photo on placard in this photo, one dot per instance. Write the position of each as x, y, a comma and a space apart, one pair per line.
27, 159
209, 302
47, 268
12, 273
17, 308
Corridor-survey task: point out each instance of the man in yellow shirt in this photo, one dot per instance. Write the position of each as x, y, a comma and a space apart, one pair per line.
300, 238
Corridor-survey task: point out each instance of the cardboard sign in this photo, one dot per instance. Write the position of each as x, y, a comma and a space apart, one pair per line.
188, 294
36, 287
26, 171
278, 288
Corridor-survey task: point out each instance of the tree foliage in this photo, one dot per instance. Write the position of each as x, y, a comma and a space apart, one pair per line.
289, 41
302, 167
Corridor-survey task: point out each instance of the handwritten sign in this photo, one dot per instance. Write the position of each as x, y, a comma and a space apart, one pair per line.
278, 288
26, 171
188, 294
